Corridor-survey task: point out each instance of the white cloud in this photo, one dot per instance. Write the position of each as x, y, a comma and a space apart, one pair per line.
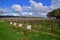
27, 13
55, 4
30, 14
27, 8
17, 8
15, 14
35, 9
39, 9
3, 10
4, 14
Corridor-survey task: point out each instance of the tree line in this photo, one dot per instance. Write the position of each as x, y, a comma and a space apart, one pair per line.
54, 13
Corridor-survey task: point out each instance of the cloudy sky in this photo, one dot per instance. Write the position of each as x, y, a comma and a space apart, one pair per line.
38, 8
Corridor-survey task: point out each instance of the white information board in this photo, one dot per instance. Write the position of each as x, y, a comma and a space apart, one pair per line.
15, 24
20, 25
28, 26
11, 23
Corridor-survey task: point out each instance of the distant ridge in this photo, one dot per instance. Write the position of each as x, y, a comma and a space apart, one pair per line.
11, 16
19, 17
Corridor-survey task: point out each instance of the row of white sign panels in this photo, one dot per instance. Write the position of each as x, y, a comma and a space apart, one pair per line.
20, 25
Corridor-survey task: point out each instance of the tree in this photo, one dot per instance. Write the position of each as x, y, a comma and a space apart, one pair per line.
54, 13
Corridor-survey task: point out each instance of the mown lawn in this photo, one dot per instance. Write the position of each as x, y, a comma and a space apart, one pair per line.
7, 33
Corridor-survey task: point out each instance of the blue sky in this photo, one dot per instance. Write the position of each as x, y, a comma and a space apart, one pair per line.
27, 7
22, 2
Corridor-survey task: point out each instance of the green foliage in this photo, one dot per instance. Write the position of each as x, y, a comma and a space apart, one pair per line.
54, 13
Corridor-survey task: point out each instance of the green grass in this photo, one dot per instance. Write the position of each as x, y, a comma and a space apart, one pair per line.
6, 33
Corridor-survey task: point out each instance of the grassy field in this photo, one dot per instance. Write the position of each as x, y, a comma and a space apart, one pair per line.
7, 33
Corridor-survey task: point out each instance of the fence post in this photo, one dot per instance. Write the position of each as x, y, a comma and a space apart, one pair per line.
32, 24
59, 24
18, 29
37, 22
52, 25
26, 32
11, 23
42, 22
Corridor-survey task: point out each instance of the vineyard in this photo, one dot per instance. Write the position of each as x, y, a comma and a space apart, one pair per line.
40, 30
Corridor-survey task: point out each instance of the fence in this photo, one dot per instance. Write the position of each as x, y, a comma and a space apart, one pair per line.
49, 25
42, 24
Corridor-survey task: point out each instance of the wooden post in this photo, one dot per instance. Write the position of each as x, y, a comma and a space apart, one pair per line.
11, 23
11, 26
42, 22
26, 32
18, 28
14, 24
52, 25
33, 24
37, 21
27, 28
59, 24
